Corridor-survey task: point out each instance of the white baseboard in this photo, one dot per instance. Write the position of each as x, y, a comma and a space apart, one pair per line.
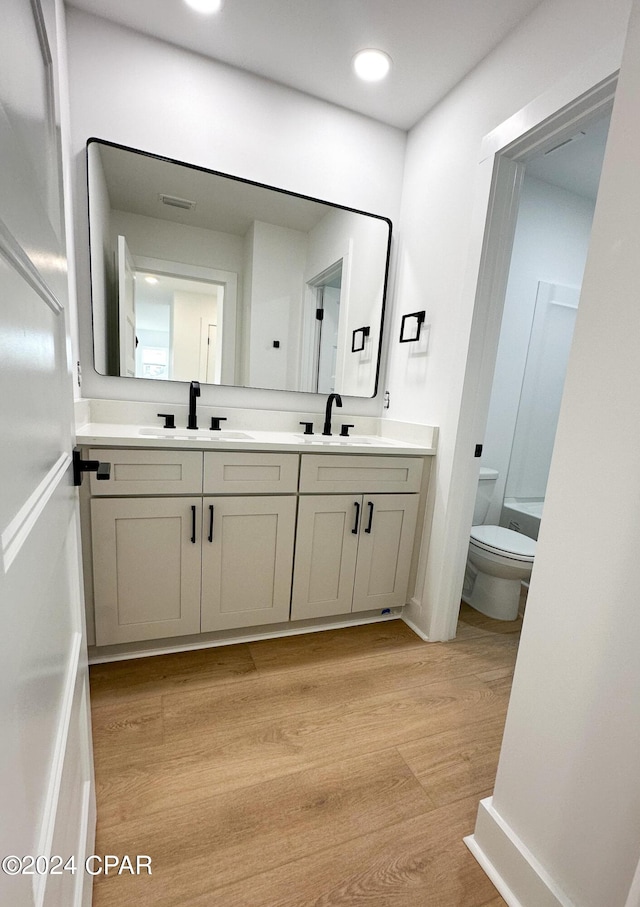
125, 651
510, 865
416, 629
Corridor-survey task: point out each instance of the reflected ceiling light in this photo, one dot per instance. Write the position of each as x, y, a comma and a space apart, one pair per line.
371, 65
205, 6
151, 280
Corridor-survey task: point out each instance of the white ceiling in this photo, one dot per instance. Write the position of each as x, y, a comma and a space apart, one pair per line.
309, 44
135, 181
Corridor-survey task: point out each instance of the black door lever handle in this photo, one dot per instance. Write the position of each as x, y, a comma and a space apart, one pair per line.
80, 466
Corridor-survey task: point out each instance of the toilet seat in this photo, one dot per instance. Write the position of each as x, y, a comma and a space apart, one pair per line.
503, 542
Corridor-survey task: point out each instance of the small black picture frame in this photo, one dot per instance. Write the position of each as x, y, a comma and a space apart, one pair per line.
358, 338
410, 330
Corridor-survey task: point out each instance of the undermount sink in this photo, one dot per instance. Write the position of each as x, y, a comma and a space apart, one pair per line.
198, 434
339, 439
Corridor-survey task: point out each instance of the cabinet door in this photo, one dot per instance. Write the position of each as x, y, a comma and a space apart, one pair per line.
326, 550
146, 567
247, 553
384, 550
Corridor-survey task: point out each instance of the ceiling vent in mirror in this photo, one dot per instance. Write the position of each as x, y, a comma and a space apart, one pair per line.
177, 202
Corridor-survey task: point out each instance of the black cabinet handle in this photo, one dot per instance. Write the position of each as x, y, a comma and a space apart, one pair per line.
370, 503
210, 522
193, 523
356, 504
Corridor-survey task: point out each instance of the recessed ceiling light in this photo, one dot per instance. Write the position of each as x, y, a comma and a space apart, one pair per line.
371, 65
205, 6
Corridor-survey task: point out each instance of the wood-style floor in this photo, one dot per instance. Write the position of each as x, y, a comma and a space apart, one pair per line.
335, 768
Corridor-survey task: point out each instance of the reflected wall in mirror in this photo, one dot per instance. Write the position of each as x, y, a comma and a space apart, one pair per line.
196, 275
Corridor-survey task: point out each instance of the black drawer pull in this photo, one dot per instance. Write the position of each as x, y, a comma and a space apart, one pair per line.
193, 523
355, 528
210, 522
370, 503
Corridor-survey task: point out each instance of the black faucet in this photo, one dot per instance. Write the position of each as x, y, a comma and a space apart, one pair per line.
327, 419
194, 391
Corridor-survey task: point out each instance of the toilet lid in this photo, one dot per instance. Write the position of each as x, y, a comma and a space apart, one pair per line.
506, 541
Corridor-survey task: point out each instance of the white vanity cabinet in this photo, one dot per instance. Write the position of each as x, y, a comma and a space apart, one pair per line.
191, 541
166, 566
353, 551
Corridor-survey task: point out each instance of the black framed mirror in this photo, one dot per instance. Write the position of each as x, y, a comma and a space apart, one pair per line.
199, 275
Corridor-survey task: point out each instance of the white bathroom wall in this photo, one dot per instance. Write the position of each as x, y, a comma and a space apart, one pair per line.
441, 235
151, 237
550, 244
362, 245
140, 92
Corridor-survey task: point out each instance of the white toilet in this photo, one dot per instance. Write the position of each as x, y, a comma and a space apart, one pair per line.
499, 559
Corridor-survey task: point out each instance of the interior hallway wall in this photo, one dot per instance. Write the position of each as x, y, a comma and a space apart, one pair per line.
438, 251
566, 805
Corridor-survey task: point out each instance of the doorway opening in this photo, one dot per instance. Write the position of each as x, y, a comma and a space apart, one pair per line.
179, 328
328, 288
178, 321
506, 152
553, 227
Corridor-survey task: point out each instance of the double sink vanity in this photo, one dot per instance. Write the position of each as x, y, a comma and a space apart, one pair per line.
261, 523
200, 535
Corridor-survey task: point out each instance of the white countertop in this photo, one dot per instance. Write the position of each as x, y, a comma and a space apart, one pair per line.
105, 434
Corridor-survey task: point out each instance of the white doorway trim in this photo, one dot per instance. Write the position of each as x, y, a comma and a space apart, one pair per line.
558, 114
228, 311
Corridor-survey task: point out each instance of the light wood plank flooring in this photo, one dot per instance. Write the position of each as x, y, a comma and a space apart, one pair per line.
334, 768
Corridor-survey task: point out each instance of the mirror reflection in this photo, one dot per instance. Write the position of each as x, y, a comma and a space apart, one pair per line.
201, 276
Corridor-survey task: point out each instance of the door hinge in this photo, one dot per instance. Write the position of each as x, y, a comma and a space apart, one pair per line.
320, 314
79, 374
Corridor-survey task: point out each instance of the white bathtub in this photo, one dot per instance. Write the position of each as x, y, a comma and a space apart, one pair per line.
523, 515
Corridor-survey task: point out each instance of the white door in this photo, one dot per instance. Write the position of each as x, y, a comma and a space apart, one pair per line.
46, 787
126, 310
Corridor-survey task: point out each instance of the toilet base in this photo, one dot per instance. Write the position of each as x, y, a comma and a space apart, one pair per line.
495, 596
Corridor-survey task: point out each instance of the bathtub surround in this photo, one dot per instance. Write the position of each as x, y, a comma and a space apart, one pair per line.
522, 516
